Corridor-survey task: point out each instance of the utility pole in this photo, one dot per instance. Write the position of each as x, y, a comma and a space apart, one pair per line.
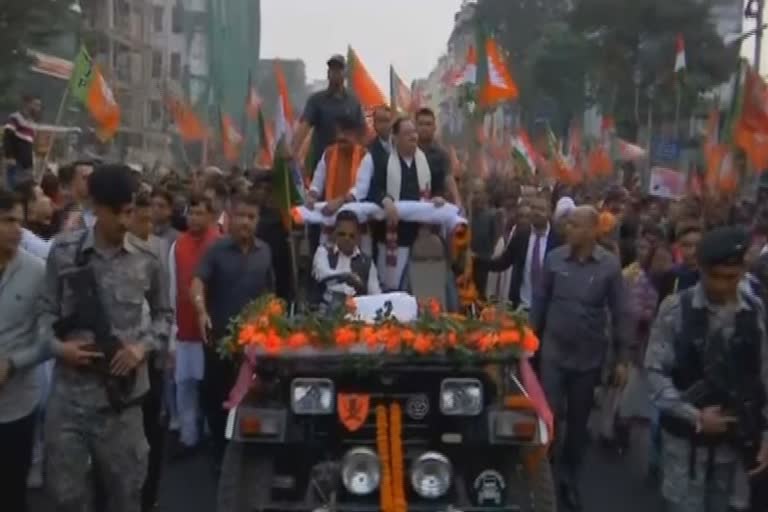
755, 10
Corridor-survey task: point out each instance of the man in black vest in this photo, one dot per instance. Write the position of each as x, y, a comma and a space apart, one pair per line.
342, 268
402, 175
707, 363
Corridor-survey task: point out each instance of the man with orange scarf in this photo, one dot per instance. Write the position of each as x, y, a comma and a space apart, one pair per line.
336, 171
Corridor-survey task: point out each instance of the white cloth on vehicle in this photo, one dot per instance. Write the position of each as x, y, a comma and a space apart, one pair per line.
404, 306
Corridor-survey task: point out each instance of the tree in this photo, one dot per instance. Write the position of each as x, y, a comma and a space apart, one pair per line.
559, 65
633, 46
519, 27
23, 25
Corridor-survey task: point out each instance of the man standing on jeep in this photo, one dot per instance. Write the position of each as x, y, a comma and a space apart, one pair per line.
91, 432
707, 363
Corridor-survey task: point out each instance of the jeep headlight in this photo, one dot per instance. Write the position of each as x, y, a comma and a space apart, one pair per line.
361, 471
431, 475
312, 396
461, 397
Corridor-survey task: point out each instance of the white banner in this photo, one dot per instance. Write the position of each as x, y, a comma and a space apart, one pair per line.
666, 183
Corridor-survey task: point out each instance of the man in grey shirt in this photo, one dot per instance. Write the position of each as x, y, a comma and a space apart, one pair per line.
21, 350
581, 284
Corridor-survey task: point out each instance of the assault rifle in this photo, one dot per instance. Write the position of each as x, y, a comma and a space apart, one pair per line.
726, 384
91, 315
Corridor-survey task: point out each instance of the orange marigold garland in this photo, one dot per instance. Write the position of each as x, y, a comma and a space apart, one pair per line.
386, 500
495, 332
396, 457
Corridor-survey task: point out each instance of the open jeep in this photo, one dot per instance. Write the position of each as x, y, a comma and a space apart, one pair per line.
326, 430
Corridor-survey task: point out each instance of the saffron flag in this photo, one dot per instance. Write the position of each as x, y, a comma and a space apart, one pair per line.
468, 73
486, 68
231, 138
188, 124
88, 85
285, 189
495, 80
264, 154
362, 83
284, 110
523, 153
286, 181
563, 171
748, 119
400, 94
628, 152
252, 100
680, 54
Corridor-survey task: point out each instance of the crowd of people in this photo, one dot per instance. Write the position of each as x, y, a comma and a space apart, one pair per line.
115, 287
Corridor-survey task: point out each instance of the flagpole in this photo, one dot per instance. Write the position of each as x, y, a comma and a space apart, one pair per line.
59, 115
291, 242
677, 110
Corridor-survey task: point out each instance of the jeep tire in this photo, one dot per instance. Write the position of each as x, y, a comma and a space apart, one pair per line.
245, 483
532, 489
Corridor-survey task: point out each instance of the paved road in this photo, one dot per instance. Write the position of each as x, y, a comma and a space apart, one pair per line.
610, 483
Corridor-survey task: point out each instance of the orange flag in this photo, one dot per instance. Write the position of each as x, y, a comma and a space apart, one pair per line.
252, 100
189, 125
750, 129
363, 84
88, 85
499, 86
231, 139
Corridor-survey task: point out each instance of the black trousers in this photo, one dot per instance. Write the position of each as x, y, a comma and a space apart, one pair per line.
570, 394
16, 442
760, 492
217, 382
155, 430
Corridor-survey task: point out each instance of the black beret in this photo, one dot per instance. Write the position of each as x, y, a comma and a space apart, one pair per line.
724, 246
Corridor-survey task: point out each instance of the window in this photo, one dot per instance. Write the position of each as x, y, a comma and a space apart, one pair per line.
175, 65
157, 64
177, 19
157, 18
155, 111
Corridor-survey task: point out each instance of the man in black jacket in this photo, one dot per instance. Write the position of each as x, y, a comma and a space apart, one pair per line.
525, 253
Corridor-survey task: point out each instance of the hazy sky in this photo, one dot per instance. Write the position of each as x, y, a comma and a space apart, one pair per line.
409, 34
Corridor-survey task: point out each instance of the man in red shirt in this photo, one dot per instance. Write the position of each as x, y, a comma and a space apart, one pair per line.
186, 254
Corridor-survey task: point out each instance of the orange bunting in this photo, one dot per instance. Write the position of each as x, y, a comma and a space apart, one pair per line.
496, 331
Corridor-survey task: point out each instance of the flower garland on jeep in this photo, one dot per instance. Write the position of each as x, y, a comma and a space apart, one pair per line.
495, 332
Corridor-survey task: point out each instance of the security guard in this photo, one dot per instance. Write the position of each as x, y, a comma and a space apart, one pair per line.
89, 433
707, 363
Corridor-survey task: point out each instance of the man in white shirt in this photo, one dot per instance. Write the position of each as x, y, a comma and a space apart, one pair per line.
380, 147
335, 174
342, 268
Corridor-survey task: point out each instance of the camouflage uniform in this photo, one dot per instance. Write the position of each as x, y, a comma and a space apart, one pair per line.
718, 482
84, 436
